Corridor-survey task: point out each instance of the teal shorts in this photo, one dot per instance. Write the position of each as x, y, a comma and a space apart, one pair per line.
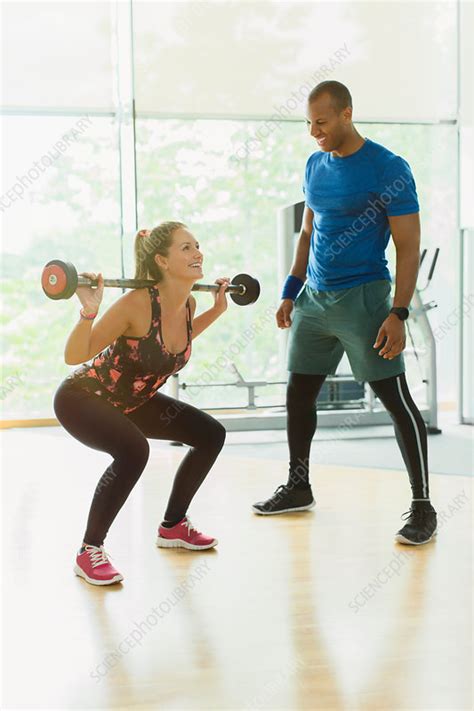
325, 324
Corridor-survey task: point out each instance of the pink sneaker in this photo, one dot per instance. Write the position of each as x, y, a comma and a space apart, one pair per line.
184, 535
93, 565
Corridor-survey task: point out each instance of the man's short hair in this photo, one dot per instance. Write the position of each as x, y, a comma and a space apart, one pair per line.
340, 95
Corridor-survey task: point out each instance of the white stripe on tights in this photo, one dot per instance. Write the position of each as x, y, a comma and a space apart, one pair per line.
417, 434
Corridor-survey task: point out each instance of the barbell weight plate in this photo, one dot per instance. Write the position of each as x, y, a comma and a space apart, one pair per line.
252, 289
59, 279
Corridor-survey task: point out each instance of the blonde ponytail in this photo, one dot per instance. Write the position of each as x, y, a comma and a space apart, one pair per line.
149, 243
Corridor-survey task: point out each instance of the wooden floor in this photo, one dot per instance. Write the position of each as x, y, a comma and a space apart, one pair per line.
319, 610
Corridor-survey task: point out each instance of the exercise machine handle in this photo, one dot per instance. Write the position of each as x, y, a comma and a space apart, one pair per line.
433, 264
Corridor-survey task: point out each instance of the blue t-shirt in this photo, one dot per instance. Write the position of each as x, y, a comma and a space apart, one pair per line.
351, 198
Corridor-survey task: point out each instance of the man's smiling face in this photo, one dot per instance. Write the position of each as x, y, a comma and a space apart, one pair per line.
328, 127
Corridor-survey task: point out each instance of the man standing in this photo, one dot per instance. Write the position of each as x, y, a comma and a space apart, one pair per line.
357, 193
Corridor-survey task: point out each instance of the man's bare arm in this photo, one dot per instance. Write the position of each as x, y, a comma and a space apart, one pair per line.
406, 231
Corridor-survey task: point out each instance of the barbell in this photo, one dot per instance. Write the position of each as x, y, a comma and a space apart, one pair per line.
60, 280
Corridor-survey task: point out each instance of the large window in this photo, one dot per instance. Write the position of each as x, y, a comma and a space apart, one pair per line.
220, 145
57, 55
253, 57
66, 207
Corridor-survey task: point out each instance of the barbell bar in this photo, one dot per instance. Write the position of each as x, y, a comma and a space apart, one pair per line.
60, 280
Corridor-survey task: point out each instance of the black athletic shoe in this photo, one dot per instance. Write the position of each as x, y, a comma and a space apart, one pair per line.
284, 500
420, 526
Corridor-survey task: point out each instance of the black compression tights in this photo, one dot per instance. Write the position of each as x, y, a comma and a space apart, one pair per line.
100, 425
410, 430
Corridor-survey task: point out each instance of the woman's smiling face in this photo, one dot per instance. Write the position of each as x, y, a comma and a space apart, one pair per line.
184, 258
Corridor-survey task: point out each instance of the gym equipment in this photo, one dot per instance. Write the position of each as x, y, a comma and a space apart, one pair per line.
60, 280
340, 393
419, 319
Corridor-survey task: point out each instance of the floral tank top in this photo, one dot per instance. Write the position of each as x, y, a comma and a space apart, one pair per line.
131, 369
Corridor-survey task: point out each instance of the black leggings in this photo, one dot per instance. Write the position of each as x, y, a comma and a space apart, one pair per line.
410, 429
102, 426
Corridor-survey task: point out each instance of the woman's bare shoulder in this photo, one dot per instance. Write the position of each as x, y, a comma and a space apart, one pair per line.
135, 297
134, 301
